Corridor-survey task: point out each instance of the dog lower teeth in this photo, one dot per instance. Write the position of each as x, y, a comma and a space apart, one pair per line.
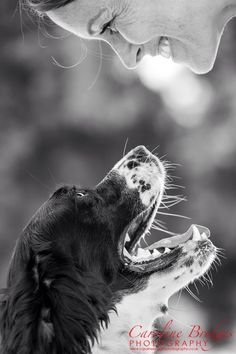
156, 253
145, 254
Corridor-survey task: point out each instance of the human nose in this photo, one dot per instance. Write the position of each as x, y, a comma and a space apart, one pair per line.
130, 54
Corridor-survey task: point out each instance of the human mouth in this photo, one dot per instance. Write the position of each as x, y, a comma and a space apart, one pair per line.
164, 48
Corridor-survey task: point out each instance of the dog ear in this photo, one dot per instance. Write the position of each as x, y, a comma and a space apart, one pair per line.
75, 301
15, 303
50, 305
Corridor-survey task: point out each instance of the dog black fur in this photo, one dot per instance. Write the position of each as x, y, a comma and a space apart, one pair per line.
62, 281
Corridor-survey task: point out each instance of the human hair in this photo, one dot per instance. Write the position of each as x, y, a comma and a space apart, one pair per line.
45, 5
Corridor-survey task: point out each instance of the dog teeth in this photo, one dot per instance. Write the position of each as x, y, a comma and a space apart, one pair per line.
156, 253
196, 234
204, 236
141, 253
145, 254
148, 253
127, 238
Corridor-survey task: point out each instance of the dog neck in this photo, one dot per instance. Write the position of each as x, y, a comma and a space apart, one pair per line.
139, 309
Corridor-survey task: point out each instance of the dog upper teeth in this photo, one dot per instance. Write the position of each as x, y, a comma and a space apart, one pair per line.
204, 236
127, 238
167, 250
142, 253
196, 234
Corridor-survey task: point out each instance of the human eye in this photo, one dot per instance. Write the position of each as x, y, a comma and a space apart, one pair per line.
109, 26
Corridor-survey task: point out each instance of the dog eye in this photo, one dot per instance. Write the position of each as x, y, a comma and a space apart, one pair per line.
80, 194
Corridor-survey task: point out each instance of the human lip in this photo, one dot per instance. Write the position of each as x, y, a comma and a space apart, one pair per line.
164, 48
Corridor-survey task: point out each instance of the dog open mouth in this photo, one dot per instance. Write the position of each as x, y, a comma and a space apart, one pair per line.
146, 174
160, 254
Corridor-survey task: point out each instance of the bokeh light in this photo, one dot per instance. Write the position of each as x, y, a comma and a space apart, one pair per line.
180, 89
71, 125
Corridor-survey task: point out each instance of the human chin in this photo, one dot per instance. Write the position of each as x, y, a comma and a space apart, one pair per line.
203, 62
200, 58
201, 65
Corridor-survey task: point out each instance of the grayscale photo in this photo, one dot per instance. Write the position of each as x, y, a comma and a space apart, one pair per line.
117, 176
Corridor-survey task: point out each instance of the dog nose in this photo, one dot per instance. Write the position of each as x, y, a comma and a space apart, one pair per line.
141, 152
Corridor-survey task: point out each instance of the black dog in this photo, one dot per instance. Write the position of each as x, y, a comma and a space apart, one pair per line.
79, 261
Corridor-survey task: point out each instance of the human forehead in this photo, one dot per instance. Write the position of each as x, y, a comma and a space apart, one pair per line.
76, 16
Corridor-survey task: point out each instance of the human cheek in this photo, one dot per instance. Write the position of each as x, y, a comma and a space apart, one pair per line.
134, 26
136, 34
139, 23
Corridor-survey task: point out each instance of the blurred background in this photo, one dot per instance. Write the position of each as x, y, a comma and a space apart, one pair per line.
67, 111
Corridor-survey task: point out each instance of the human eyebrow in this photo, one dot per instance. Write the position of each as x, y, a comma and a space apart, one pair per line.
92, 21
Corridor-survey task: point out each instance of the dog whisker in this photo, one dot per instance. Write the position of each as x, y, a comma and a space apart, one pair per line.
175, 215
125, 146
153, 150
38, 180
165, 231
192, 294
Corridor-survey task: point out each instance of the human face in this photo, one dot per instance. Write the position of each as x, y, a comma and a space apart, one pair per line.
188, 31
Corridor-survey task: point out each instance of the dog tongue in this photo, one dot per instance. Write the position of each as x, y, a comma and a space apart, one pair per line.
174, 241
